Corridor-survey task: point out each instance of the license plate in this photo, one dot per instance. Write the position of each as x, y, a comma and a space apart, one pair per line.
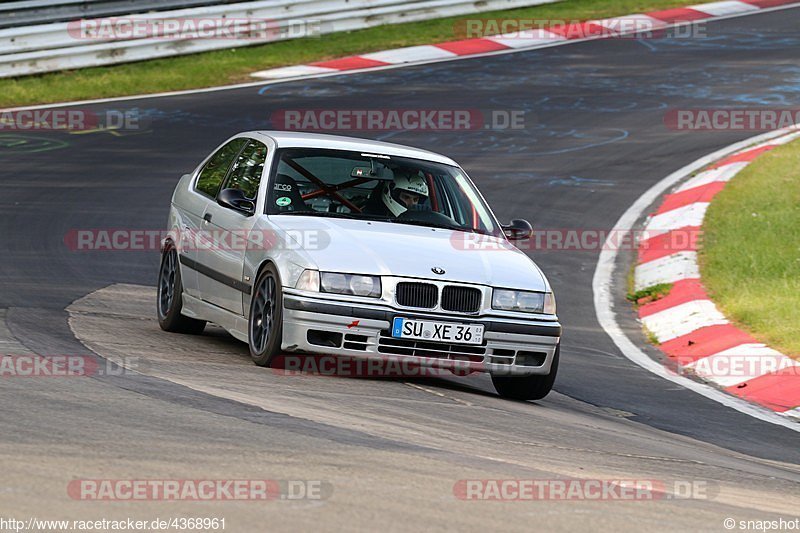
428, 330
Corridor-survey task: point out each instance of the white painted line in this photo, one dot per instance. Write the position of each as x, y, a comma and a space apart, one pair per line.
794, 413
778, 142
605, 279
667, 269
741, 363
723, 173
289, 72
688, 215
730, 7
527, 38
683, 319
410, 53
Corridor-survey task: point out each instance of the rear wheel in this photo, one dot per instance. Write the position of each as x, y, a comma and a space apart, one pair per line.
527, 387
170, 297
265, 326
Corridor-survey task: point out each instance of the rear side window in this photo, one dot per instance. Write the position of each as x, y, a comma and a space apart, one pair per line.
217, 167
247, 170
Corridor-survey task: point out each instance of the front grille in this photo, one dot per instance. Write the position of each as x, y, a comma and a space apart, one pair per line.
421, 295
461, 299
456, 352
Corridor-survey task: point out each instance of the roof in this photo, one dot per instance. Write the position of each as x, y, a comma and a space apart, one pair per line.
297, 139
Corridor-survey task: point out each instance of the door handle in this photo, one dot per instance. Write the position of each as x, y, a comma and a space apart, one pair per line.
207, 217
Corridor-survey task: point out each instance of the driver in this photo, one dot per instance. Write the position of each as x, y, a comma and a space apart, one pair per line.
406, 190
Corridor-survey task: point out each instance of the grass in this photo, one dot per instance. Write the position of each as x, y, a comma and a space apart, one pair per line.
649, 294
750, 262
232, 66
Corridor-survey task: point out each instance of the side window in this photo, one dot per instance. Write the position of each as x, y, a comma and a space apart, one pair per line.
217, 167
246, 172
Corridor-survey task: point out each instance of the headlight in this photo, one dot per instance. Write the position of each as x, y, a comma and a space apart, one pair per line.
524, 301
354, 284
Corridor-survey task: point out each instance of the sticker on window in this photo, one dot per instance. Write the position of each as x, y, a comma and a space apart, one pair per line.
283, 201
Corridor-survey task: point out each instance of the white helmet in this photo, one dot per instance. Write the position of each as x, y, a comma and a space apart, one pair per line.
403, 181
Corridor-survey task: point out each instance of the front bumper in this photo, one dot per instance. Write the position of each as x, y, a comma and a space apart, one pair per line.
510, 347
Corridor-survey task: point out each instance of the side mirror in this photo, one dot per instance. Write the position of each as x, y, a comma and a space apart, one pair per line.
518, 229
236, 200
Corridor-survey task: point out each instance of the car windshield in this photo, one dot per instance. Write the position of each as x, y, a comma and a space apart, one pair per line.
372, 186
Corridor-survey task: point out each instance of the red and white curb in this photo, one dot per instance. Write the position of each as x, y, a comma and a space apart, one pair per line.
527, 39
690, 329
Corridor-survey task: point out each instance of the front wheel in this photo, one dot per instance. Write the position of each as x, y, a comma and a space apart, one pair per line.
170, 297
527, 387
265, 325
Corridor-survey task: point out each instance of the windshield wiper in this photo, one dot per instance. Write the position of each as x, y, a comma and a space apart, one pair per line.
412, 222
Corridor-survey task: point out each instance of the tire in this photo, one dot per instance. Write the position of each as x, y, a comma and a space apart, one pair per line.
169, 301
527, 387
265, 324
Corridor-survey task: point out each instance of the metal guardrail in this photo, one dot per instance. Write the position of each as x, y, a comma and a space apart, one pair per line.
51, 47
55, 36
29, 12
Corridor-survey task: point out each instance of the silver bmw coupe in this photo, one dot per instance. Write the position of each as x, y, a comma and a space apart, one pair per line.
302, 243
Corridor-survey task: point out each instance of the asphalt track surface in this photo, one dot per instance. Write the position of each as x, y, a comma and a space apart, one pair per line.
594, 141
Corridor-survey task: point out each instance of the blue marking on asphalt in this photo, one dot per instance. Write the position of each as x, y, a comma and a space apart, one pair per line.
647, 44
577, 181
623, 135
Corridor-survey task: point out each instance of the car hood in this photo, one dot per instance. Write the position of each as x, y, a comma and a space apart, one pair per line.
390, 249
